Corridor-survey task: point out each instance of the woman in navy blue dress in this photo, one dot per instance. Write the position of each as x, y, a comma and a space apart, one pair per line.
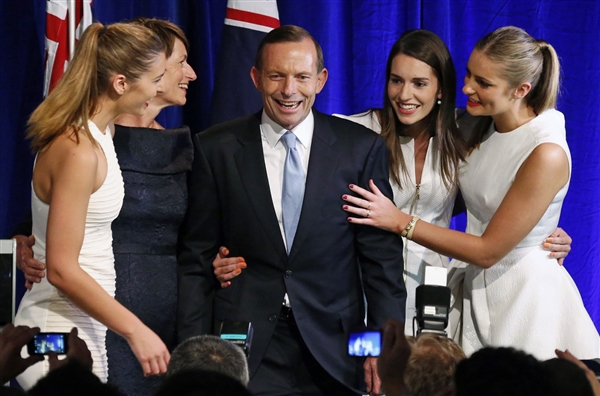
154, 162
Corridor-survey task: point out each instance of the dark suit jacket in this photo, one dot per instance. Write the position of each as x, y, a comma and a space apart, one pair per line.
230, 204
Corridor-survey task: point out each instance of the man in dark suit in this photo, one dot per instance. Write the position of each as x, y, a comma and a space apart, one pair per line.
304, 285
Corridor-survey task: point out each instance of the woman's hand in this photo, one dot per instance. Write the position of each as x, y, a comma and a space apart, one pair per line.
227, 268
559, 245
375, 209
150, 351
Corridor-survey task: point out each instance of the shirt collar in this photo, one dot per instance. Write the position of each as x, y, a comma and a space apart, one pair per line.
273, 131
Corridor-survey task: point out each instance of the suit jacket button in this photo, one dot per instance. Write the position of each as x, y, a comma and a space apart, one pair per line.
272, 318
288, 274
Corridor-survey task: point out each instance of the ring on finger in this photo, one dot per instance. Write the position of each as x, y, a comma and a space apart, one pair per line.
368, 213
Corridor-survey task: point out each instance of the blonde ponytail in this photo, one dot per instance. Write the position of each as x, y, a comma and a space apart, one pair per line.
102, 52
524, 59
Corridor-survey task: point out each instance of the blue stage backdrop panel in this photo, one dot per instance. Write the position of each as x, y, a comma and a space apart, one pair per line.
356, 36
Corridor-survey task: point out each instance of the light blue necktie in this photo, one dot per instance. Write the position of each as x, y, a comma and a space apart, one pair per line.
293, 188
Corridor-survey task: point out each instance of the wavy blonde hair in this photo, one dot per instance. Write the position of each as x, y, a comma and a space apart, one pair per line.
102, 52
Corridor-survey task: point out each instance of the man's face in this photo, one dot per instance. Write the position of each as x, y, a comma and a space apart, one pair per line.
289, 81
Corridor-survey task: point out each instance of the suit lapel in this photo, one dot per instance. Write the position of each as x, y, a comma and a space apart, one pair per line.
321, 169
253, 174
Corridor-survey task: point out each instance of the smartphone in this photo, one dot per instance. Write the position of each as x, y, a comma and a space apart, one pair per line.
42, 343
238, 333
364, 342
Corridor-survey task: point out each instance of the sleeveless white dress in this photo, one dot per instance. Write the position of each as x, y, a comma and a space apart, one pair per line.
526, 300
44, 306
431, 200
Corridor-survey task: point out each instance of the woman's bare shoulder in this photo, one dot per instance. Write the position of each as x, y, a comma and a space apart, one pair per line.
71, 150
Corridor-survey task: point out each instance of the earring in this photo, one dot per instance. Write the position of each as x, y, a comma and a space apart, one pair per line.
439, 101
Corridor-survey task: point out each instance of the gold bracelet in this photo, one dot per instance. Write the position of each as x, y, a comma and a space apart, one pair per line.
410, 228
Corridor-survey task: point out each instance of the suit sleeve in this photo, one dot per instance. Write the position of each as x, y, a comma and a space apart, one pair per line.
200, 242
380, 252
24, 227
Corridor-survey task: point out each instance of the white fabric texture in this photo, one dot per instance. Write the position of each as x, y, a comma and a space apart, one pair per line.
526, 300
44, 306
434, 204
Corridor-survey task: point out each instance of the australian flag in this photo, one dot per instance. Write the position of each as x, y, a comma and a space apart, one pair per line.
246, 24
58, 49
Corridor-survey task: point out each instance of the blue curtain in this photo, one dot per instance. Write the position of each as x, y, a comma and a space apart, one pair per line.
356, 36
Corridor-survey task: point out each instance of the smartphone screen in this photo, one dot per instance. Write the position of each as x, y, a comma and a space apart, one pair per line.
42, 343
364, 343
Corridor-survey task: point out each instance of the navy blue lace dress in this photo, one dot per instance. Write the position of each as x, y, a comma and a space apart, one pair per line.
155, 164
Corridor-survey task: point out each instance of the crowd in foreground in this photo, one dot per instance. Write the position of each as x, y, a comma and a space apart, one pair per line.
428, 365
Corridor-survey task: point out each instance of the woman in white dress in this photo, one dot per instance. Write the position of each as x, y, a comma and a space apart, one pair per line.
77, 190
514, 181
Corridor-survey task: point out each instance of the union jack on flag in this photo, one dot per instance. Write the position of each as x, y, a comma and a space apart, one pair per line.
246, 24
57, 36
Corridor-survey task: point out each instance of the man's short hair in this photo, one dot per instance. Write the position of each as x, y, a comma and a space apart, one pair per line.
208, 352
288, 34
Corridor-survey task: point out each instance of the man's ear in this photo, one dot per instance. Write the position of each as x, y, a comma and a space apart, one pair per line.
256, 78
119, 84
322, 79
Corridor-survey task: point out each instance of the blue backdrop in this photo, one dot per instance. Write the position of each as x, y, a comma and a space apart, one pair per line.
356, 36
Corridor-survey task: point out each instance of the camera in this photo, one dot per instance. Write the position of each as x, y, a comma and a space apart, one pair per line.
432, 302
433, 308
42, 343
365, 342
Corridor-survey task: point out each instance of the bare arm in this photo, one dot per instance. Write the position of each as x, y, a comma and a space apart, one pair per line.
541, 176
73, 176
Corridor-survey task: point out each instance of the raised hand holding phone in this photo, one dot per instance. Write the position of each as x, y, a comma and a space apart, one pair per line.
12, 340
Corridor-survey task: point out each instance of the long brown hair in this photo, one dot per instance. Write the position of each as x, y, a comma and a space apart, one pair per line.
102, 52
427, 47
